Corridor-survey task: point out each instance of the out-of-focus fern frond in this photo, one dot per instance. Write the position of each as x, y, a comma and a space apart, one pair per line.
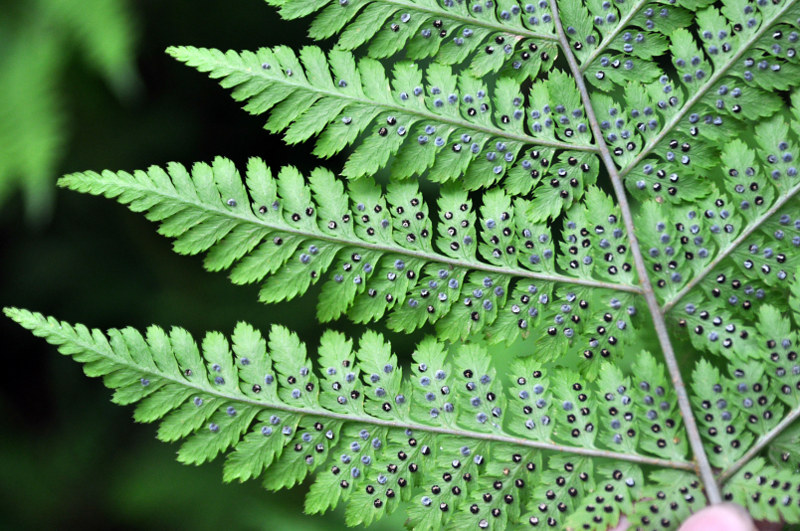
37, 44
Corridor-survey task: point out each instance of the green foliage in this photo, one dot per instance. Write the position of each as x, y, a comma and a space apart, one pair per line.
39, 41
376, 252
763, 490
337, 100
372, 436
522, 116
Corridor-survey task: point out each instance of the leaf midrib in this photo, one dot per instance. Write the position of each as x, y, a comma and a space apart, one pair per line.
703, 467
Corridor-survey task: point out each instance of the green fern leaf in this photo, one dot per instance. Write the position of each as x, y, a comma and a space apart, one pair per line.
370, 436
377, 252
764, 489
508, 39
680, 110
38, 42
451, 124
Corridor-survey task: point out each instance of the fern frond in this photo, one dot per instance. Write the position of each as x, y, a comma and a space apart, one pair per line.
669, 499
669, 128
38, 43
680, 107
452, 438
452, 126
495, 275
747, 409
623, 34
32, 119
517, 40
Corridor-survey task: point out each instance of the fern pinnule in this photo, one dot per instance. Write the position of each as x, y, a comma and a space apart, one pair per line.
759, 234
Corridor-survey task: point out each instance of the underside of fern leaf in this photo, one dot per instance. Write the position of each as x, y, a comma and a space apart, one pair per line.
610, 179
453, 436
495, 276
463, 444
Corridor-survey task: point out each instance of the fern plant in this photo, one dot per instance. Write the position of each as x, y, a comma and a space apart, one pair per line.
616, 189
38, 39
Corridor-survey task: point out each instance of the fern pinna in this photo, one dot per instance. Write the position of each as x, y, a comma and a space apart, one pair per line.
612, 179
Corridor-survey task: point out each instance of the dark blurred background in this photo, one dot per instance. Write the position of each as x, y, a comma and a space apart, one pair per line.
86, 85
